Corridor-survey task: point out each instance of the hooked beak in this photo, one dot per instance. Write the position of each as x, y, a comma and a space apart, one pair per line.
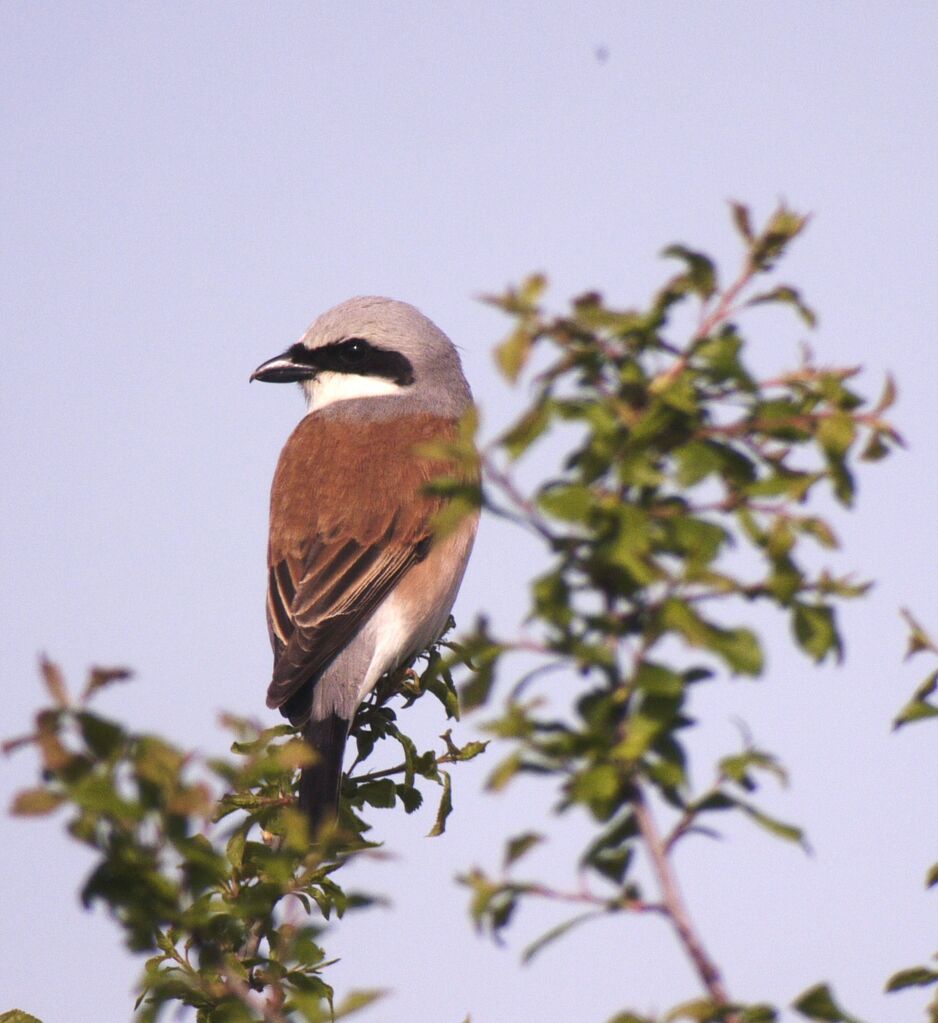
284, 369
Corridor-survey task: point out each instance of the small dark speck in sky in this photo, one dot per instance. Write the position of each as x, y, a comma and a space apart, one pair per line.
602, 54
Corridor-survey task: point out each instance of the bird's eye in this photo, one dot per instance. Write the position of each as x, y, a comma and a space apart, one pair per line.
355, 353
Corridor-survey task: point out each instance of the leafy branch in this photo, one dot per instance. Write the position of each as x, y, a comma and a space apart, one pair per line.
920, 707
207, 864
682, 489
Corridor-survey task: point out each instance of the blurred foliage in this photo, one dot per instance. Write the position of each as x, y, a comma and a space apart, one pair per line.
207, 865
921, 707
685, 490
682, 487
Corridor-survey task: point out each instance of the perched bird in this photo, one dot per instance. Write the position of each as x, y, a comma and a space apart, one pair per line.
357, 583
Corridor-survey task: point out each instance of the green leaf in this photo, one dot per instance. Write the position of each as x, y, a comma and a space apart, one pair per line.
794, 485
410, 797
481, 655
36, 803
739, 648
294, 754
820, 530
836, 433
459, 754
17, 1016
818, 1003
917, 976
516, 847
443, 689
568, 503
504, 771
738, 767
235, 849
444, 809
600, 787
513, 353
381, 793
815, 629
782, 227
464, 500
643, 727
558, 932
698, 1010
611, 853
721, 359
698, 540
842, 481
741, 220
919, 639
157, 761
658, 680
519, 437
612, 864
355, 1001
103, 737
701, 273
789, 296
788, 832
919, 707
758, 1014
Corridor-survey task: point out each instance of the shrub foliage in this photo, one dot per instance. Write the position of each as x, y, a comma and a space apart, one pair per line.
676, 489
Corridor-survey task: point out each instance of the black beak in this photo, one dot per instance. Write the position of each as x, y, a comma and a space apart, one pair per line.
286, 368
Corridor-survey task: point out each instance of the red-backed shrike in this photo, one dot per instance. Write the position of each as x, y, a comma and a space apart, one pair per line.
357, 583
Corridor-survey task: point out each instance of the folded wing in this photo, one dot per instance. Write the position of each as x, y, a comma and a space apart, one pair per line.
333, 560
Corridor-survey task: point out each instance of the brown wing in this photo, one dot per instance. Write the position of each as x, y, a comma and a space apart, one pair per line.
347, 520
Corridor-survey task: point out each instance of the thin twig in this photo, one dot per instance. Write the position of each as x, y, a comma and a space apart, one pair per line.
810, 375
531, 518
689, 816
253, 941
721, 311
387, 772
675, 906
242, 992
805, 421
586, 897
724, 306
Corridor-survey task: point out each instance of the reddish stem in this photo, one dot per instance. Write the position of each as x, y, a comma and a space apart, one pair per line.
675, 907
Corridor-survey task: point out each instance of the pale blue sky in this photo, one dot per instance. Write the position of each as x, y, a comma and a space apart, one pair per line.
185, 186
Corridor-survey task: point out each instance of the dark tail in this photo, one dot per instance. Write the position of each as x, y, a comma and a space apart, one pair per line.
320, 783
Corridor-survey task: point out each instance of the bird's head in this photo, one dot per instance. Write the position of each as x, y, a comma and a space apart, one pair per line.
370, 347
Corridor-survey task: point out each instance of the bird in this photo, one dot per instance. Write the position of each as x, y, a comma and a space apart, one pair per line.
358, 584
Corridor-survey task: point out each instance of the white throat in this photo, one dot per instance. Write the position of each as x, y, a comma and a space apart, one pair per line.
327, 387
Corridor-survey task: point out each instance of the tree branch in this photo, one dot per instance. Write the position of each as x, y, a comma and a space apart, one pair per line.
675, 907
724, 305
236, 986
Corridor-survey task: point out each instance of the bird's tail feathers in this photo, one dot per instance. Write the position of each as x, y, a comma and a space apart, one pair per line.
321, 782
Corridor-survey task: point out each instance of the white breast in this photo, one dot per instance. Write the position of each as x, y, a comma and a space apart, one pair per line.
415, 612
393, 628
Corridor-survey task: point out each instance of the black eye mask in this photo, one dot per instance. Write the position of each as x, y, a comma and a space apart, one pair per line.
358, 356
